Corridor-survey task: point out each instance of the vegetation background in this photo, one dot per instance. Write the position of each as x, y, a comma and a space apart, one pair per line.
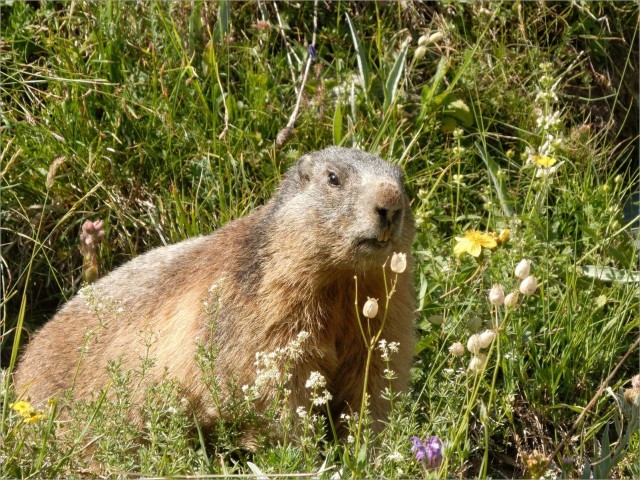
163, 120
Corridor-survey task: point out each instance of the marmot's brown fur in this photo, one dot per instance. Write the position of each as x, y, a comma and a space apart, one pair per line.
287, 267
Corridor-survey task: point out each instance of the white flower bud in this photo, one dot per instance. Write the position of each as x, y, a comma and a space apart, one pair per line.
370, 308
457, 349
476, 365
473, 344
426, 40
496, 295
399, 262
528, 286
419, 53
511, 300
522, 269
486, 337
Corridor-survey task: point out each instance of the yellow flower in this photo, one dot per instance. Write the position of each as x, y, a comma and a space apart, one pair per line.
33, 418
472, 243
26, 411
22, 408
544, 161
503, 237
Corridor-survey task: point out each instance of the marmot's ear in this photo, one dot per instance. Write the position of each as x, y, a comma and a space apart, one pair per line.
304, 169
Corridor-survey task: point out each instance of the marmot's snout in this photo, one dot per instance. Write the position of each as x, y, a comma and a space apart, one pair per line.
387, 209
388, 206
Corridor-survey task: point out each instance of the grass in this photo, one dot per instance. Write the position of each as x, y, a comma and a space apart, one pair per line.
161, 119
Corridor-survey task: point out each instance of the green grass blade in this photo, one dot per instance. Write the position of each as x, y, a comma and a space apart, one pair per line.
499, 187
361, 57
337, 123
391, 84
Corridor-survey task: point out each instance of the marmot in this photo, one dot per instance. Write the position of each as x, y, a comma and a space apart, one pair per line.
286, 268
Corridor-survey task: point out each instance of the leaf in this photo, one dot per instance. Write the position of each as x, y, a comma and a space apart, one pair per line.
427, 102
444, 99
391, 84
610, 274
222, 24
460, 111
363, 65
604, 464
361, 461
257, 472
449, 124
586, 469
423, 290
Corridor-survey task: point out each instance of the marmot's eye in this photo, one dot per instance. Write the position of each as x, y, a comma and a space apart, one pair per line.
333, 179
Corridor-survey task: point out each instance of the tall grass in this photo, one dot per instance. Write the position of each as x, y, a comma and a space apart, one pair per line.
161, 118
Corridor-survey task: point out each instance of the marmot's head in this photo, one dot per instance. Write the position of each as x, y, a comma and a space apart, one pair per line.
346, 207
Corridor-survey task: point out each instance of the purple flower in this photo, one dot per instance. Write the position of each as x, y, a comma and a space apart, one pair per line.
434, 452
429, 452
313, 52
418, 448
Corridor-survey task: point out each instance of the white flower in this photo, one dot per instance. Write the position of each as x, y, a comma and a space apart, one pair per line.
396, 456
389, 374
350, 439
496, 295
547, 172
387, 348
370, 309
486, 338
322, 399
316, 380
522, 269
302, 412
457, 349
528, 286
511, 300
398, 262
473, 344
477, 363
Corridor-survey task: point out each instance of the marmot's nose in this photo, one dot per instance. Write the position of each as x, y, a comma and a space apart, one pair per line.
388, 202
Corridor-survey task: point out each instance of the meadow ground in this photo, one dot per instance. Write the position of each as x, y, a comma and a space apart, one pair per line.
517, 126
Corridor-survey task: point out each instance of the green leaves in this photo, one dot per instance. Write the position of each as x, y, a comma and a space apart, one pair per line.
610, 274
391, 84
361, 56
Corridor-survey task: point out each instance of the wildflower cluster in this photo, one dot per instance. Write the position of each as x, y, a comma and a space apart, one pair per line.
272, 368
26, 412
316, 382
386, 349
549, 124
527, 287
480, 341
